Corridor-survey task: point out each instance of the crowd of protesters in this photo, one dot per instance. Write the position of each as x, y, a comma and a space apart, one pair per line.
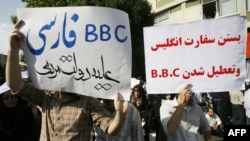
133, 120
22, 120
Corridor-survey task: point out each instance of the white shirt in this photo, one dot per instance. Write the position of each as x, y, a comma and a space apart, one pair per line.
213, 120
193, 121
247, 102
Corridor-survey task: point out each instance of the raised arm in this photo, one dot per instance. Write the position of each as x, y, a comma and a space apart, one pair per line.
121, 108
13, 71
175, 120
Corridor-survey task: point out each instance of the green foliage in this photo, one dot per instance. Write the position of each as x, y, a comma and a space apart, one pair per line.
140, 15
22, 58
13, 19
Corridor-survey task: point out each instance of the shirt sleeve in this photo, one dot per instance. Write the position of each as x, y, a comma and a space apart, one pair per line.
100, 116
218, 120
31, 94
165, 114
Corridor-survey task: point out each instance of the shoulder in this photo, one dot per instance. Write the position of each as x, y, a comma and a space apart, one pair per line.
198, 108
206, 115
132, 109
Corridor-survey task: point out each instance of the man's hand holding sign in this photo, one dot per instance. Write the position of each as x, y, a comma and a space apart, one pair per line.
78, 52
209, 58
72, 57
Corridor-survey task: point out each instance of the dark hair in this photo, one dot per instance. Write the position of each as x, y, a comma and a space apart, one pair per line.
21, 102
208, 107
139, 87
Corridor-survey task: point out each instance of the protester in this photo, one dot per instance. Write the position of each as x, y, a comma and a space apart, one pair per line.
160, 135
17, 122
65, 116
238, 110
221, 102
182, 119
152, 125
214, 122
131, 130
139, 99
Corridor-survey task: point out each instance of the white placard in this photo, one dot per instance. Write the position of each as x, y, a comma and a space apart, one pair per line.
209, 54
85, 50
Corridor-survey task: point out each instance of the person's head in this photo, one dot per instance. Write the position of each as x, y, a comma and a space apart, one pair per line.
9, 100
138, 91
210, 111
170, 96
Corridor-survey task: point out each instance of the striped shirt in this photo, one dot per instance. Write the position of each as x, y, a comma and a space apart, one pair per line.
69, 119
131, 130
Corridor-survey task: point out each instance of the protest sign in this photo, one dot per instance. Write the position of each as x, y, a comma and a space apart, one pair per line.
209, 54
85, 50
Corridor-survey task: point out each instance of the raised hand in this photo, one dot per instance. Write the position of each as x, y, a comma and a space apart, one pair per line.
184, 95
16, 36
121, 106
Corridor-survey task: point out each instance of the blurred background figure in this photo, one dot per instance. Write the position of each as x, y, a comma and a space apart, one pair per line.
238, 110
139, 99
17, 121
221, 104
160, 135
214, 122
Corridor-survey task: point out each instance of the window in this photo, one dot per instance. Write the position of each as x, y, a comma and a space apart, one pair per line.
208, 1
209, 10
162, 18
228, 7
248, 5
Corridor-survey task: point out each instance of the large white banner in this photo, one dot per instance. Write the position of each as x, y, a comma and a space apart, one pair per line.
85, 50
209, 54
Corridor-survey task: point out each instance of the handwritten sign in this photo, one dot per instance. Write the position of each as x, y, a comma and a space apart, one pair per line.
85, 50
209, 54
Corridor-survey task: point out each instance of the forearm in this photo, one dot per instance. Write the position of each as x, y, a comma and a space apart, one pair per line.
175, 120
13, 71
117, 124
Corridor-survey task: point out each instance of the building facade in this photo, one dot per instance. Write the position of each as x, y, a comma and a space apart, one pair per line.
181, 11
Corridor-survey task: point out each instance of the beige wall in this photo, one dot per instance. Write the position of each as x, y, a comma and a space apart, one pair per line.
186, 14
